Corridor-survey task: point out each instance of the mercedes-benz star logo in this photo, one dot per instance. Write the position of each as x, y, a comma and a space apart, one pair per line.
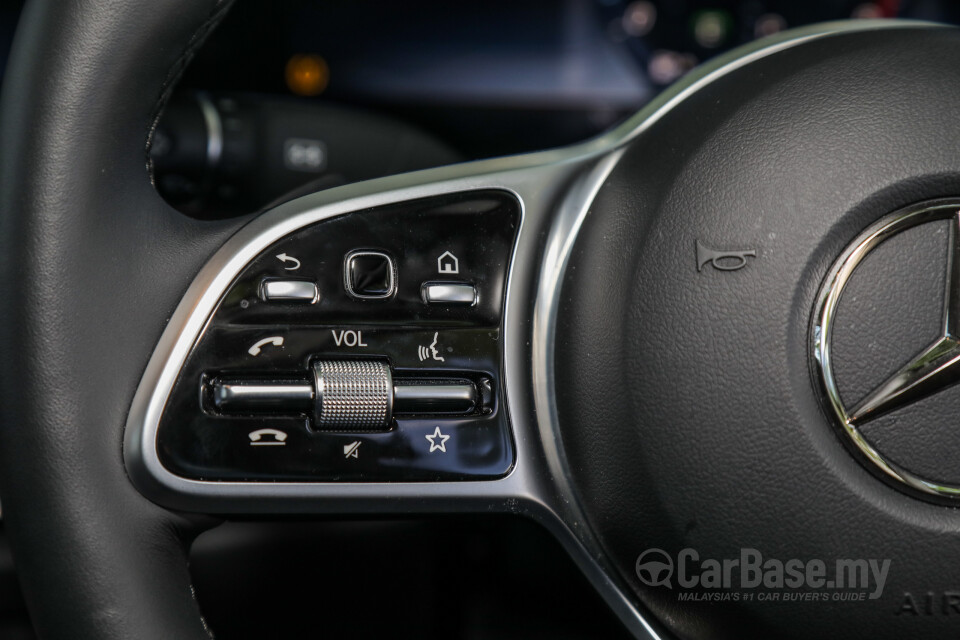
933, 369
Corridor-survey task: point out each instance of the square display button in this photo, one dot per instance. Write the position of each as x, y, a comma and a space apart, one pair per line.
369, 275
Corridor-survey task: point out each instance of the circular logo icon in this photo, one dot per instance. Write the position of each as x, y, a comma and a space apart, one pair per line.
925, 373
655, 568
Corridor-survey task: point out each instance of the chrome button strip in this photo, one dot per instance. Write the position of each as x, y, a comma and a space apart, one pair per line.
289, 291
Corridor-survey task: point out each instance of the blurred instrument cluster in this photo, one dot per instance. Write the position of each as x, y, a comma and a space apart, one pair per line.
307, 94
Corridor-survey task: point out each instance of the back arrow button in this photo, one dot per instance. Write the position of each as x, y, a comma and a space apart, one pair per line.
289, 260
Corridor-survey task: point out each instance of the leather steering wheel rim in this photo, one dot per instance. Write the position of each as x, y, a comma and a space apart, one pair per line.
95, 262
96, 265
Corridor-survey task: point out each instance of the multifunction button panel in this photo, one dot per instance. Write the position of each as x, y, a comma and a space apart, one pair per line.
362, 348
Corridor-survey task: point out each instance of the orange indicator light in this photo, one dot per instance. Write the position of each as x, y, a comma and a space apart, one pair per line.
307, 74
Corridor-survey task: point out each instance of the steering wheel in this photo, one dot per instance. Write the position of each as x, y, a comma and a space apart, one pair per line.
642, 344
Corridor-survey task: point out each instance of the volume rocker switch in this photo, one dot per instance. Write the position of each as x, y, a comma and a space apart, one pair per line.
344, 395
353, 394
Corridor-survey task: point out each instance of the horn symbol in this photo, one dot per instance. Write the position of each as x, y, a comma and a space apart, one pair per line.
722, 260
